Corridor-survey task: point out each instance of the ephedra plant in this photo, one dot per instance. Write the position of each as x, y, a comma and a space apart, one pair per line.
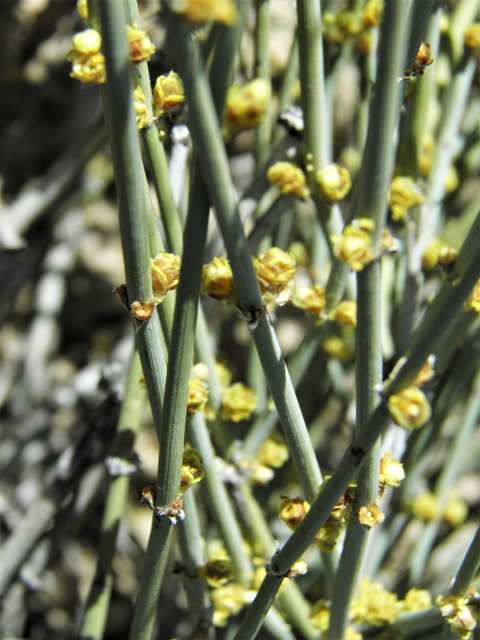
309, 341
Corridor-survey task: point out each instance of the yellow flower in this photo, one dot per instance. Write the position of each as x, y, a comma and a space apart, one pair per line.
247, 105
88, 63
370, 516
141, 47
327, 537
197, 395
472, 37
192, 469
142, 312
311, 299
165, 268
238, 402
346, 313
334, 182
425, 506
455, 512
337, 348
217, 281
415, 600
224, 374
353, 246
446, 257
372, 13
288, 178
274, 270
320, 615
198, 11
292, 511
140, 106
374, 604
402, 195
432, 252
227, 601
391, 471
273, 452
167, 94
260, 474
458, 613
218, 570
473, 300
410, 408
82, 9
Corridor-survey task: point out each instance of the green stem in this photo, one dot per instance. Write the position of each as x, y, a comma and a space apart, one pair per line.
98, 600
262, 70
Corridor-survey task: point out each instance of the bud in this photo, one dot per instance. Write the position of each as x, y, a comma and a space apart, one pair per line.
200, 371
372, 13
167, 94
389, 243
452, 180
425, 506
353, 245
247, 105
472, 38
192, 469
217, 281
273, 452
455, 512
261, 474
141, 47
364, 42
142, 312
423, 59
292, 511
238, 402
199, 11
326, 538
197, 396
410, 408
88, 63
345, 313
274, 270
370, 516
391, 471
402, 195
311, 299
165, 269
427, 151
337, 348
218, 570
224, 374
432, 252
425, 374
334, 182
288, 178
140, 106
473, 301
299, 568
82, 9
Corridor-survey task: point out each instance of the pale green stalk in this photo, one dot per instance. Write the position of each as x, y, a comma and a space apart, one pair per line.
96, 608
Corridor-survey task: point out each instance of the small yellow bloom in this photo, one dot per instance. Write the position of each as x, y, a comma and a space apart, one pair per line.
141, 47
432, 252
88, 63
165, 270
238, 402
425, 506
374, 604
142, 312
167, 94
446, 257
320, 615
326, 538
473, 301
458, 613
423, 59
192, 469
227, 601
200, 371
197, 395
82, 9
391, 471
345, 313
402, 195
337, 348
455, 512
273, 452
472, 37
415, 600
224, 374
141, 109
217, 281
452, 180
261, 474
334, 182
372, 13
275, 269
311, 299
299, 568
247, 105
353, 246
370, 516
389, 243
198, 11
410, 408
218, 570
288, 178
427, 151
292, 511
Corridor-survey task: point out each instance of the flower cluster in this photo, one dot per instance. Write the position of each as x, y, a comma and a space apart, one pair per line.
289, 178
246, 106
192, 469
334, 182
272, 455
275, 269
374, 604
88, 63
217, 281
370, 516
197, 395
353, 245
402, 195
238, 402
345, 313
167, 94
165, 269
410, 408
141, 110
311, 299
218, 570
459, 613
228, 601
141, 47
